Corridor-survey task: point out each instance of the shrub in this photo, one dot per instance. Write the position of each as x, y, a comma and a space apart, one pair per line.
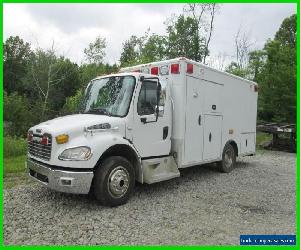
14, 146
17, 114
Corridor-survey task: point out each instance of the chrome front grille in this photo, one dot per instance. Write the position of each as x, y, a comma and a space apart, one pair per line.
39, 150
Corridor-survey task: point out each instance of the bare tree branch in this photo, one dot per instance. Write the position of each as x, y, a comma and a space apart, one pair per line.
243, 46
212, 10
199, 12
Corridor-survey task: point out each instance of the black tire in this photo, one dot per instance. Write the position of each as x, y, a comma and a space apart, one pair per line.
228, 159
113, 181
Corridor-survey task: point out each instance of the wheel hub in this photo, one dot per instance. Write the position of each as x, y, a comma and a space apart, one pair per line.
118, 182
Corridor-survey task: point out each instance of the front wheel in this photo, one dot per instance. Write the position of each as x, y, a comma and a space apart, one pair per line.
114, 181
228, 159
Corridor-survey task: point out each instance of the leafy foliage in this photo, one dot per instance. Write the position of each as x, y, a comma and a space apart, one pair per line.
17, 55
14, 146
73, 103
95, 52
17, 115
183, 39
274, 69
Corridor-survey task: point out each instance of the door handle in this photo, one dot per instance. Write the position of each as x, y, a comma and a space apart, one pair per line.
165, 132
199, 120
209, 138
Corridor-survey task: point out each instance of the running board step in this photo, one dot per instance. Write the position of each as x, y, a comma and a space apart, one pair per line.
159, 169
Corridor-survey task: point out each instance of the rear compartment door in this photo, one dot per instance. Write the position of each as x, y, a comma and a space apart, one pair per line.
212, 137
247, 143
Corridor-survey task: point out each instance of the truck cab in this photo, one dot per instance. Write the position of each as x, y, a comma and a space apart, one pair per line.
123, 119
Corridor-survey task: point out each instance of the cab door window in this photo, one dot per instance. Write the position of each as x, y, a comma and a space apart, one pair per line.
148, 98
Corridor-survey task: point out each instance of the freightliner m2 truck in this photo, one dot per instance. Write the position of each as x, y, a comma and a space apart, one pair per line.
143, 125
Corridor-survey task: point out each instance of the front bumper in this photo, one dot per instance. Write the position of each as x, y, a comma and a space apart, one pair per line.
77, 182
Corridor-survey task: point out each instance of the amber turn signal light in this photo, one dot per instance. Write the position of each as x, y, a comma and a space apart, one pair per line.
61, 139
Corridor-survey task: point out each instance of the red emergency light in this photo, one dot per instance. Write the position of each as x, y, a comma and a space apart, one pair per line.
154, 71
189, 68
175, 68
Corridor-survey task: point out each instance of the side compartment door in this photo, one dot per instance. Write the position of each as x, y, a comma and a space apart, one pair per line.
212, 137
193, 144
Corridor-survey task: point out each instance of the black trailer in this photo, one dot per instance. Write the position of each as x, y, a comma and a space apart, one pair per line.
283, 136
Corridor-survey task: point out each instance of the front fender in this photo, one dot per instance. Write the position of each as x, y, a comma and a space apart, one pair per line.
98, 142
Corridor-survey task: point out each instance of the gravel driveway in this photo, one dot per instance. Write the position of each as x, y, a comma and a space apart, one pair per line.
203, 207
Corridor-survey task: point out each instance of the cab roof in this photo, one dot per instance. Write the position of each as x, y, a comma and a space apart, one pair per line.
136, 74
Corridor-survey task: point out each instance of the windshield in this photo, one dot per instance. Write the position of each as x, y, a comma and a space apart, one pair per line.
109, 96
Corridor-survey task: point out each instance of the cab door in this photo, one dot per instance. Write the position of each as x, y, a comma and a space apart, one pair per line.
152, 131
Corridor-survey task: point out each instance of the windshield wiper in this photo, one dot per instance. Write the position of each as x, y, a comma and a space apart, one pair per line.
100, 111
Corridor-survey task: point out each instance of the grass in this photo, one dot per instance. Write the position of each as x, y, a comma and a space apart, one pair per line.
14, 155
261, 138
14, 146
14, 171
16, 179
14, 164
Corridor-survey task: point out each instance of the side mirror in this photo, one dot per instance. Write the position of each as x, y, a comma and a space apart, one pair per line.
161, 111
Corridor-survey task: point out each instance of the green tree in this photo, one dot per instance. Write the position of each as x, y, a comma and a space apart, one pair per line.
154, 49
204, 16
87, 72
144, 49
287, 32
17, 55
95, 52
274, 69
17, 115
50, 80
131, 51
235, 69
184, 40
276, 75
257, 60
68, 84
73, 102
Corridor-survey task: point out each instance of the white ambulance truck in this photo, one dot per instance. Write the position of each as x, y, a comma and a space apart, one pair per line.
145, 124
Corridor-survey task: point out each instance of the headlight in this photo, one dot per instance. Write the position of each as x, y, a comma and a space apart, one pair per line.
76, 154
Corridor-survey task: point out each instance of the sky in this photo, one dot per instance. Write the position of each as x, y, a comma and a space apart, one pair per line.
71, 27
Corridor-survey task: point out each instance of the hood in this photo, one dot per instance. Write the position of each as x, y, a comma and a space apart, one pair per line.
76, 123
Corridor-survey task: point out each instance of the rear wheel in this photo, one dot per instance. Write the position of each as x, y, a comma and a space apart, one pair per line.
114, 181
228, 159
